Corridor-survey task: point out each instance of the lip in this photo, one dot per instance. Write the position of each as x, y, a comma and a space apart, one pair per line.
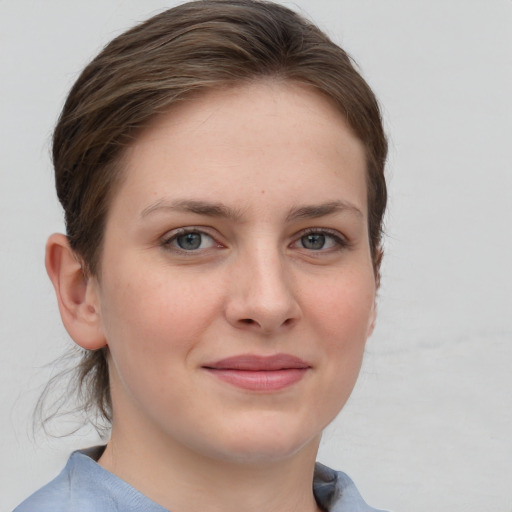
259, 373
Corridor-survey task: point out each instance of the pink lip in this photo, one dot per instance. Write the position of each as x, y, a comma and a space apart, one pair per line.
259, 373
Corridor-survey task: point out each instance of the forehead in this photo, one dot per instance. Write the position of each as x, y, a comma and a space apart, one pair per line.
265, 137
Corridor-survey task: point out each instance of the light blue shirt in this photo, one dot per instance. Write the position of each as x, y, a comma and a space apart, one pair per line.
84, 486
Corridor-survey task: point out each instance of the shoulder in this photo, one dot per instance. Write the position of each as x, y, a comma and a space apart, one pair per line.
336, 492
84, 486
64, 493
53, 497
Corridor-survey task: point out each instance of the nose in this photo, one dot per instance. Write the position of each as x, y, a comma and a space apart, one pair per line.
262, 297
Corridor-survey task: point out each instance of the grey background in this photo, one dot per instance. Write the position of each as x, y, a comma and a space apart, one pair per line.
429, 426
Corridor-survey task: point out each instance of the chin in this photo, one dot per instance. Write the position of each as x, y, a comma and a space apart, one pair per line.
268, 443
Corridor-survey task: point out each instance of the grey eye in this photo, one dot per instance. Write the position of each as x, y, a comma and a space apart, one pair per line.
189, 241
314, 241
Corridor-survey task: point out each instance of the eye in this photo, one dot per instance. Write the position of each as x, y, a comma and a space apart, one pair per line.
314, 241
320, 240
190, 240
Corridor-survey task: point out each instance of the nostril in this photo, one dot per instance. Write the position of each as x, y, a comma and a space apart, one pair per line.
250, 321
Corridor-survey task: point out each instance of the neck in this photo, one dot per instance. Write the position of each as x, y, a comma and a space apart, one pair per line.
182, 480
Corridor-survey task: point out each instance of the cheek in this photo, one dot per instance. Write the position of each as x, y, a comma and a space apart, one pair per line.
152, 324
343, 308
339, 313
154, 313
342, 317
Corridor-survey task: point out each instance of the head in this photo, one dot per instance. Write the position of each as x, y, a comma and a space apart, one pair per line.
176, 58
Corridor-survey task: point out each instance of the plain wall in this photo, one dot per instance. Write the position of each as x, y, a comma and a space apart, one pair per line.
429, 426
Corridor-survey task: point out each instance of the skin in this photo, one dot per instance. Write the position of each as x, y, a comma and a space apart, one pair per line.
250, 170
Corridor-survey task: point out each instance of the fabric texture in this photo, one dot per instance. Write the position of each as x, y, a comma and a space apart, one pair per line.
84, 486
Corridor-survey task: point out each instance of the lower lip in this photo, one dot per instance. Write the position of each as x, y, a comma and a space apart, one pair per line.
264, 380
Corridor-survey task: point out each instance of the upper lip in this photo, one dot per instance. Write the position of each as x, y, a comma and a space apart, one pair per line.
251, 362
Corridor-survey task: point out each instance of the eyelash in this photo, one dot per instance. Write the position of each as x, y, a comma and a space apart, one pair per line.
340, 241
168, 240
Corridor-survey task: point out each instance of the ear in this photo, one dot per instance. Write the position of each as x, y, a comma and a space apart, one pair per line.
77, 294
373, 319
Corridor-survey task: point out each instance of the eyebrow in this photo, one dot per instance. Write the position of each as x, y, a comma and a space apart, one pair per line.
321, 210
200, 207
220, 210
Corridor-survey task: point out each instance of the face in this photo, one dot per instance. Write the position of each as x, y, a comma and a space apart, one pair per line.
236, 289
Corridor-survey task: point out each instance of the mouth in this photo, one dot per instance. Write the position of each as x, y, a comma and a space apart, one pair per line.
259, 373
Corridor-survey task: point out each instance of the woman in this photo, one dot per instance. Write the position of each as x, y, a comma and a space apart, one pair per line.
221, 171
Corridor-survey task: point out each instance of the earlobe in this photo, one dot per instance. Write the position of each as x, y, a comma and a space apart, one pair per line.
77, 295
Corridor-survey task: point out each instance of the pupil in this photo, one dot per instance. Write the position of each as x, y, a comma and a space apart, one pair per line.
189, 241
314, 242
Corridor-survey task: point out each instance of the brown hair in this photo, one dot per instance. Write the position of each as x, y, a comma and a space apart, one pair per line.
196, 46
